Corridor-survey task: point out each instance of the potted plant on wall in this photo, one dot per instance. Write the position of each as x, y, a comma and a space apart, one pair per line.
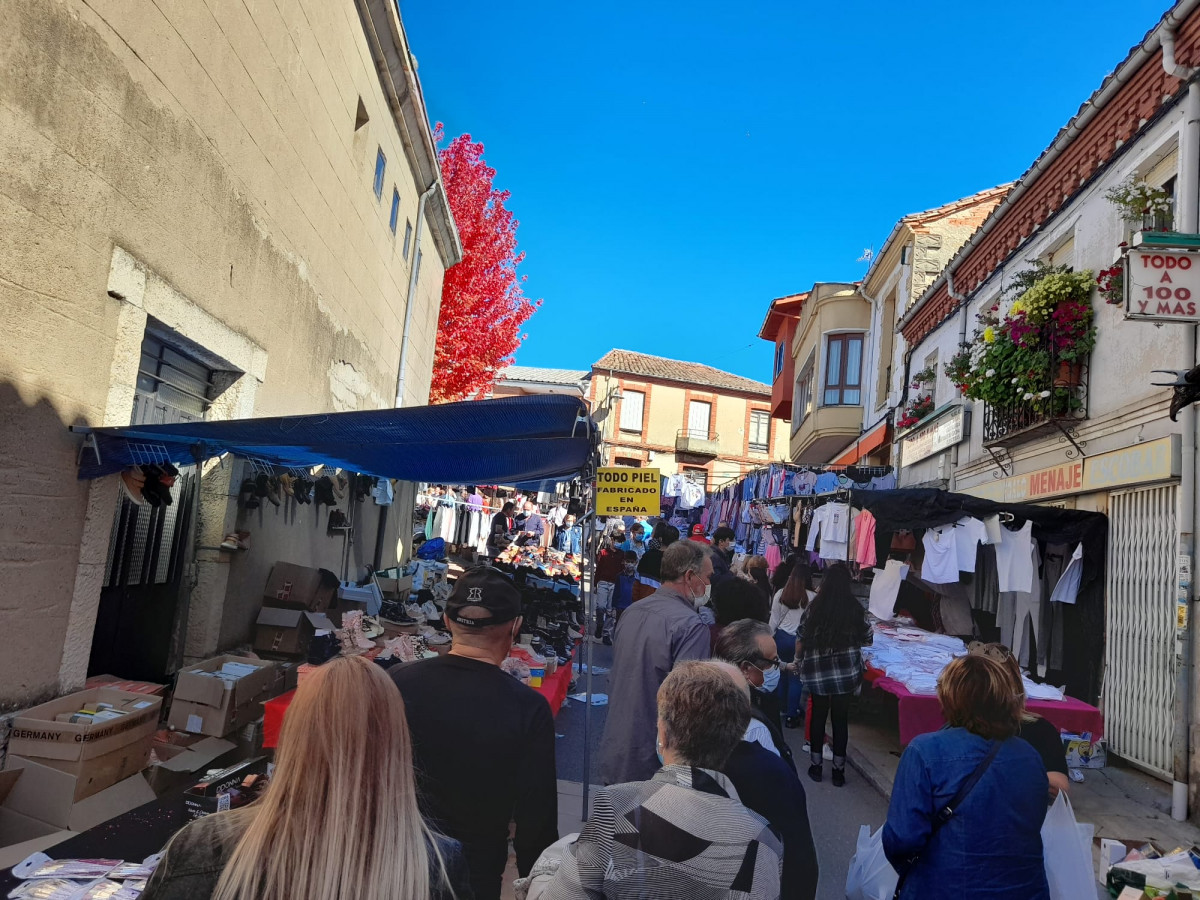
916, 410
1149, 208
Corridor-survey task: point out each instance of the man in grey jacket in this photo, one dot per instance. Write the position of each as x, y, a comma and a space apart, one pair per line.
652, 636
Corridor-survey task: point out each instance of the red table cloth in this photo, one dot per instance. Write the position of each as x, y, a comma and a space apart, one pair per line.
921, 713
554, 688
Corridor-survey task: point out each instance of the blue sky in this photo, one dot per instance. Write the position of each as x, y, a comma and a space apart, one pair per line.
675, 166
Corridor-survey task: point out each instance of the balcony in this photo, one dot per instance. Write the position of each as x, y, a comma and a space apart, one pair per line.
1060, 401
693, 442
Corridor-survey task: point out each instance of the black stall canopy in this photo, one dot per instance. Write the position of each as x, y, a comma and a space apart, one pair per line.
510, 440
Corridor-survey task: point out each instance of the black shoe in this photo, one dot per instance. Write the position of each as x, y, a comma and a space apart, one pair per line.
247, 495
814, 772
793, 722
839, 777
323, 492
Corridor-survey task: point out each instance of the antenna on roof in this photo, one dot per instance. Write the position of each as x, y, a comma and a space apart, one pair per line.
868, 254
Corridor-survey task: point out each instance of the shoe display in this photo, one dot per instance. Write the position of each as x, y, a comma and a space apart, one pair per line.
132, 481
323, 492
285, 484
302, 489
274, 491
338, 520
247, 495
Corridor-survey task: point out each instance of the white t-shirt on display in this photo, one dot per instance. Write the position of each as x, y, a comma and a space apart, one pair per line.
1014, 559
968, 535
941, 555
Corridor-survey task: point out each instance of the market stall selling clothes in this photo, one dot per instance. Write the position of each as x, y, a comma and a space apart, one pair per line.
963, 568
530, 441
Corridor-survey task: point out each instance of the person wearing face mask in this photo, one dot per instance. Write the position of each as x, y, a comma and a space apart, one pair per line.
651, 637
750, 645
482, 741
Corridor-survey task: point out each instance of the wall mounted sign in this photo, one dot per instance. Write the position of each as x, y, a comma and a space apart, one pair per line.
1162, 284
947, 431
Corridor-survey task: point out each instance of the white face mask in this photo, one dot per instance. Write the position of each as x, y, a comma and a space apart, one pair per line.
703, 599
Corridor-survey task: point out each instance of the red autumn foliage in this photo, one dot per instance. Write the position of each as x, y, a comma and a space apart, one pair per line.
483, 305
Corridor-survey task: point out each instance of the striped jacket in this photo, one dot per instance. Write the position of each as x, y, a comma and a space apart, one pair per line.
682, 834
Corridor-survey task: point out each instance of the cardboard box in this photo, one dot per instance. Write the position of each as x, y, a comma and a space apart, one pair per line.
180, 758
395, 588
299, 587
288, 632
38, 809
134, 687
97, 755
206, 705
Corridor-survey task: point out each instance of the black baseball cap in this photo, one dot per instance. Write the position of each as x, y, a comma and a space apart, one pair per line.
486, 589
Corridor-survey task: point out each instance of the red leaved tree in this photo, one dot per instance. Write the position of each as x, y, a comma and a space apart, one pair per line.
483, 306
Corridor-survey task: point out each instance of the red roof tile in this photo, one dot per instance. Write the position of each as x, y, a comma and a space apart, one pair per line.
629, 363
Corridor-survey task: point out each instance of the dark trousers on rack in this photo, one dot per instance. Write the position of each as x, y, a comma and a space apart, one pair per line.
825, 706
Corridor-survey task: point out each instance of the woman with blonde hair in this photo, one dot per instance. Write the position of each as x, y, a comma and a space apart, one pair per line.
967, 806
339, 820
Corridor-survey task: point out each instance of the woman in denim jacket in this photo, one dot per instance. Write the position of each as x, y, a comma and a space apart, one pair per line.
991, 847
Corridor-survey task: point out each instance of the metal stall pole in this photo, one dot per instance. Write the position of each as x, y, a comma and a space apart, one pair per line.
589, 608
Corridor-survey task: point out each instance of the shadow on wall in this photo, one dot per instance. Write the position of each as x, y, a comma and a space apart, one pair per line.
42, 509
299, 533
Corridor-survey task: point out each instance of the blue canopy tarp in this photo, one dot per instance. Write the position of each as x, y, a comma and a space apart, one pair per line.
502, 441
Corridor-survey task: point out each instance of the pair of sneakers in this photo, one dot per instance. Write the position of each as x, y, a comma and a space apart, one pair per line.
149, 485
236, 540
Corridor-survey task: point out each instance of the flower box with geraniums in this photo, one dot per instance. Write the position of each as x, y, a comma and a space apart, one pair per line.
1148, 208
1026, 361
916, 410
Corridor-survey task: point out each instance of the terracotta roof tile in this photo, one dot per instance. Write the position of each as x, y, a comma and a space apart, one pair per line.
630, 363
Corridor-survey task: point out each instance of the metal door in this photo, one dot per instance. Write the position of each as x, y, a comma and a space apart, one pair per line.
1139, 672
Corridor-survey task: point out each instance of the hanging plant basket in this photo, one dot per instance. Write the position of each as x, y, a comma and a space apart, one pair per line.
1070, 374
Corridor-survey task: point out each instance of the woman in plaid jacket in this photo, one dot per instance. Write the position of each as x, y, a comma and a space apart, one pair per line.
829, 645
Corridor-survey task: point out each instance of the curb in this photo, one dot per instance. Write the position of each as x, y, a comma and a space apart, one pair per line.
870, 773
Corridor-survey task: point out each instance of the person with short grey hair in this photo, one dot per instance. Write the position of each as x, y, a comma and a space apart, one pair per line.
750, 645
684, 832
652, 636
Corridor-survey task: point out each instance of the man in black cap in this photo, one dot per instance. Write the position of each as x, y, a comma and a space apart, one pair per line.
483, 743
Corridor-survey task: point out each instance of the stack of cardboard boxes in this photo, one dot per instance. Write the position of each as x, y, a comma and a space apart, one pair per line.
294, 605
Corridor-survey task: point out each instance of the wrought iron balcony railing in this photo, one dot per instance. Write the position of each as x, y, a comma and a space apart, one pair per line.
1065, 403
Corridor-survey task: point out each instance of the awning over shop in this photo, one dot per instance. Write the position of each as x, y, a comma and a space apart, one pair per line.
503, 441
865, 445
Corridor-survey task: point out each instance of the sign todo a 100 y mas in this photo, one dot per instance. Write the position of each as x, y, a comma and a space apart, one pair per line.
627, 492
1162, 285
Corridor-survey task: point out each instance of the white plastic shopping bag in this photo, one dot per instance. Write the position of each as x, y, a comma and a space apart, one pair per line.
871, 876
1068, 856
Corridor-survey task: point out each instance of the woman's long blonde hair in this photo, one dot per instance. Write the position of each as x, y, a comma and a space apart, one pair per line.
339, 819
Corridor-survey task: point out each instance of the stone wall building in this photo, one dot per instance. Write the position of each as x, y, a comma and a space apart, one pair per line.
206, 211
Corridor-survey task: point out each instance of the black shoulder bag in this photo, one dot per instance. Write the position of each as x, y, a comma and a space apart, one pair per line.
946, 813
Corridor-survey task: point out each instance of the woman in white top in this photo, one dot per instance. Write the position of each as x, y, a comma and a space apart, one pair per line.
787, 609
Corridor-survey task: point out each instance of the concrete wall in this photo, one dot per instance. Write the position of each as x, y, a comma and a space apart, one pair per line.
196, 162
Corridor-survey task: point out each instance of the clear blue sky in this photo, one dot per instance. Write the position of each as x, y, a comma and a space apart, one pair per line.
675, 166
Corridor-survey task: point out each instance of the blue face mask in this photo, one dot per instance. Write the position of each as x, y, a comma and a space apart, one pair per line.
770, 680
658, 753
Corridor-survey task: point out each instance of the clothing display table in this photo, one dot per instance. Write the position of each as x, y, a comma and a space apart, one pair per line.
921, 713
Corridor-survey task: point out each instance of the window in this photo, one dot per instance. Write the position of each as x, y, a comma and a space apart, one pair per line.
407, 237
843, 370
697, 476
394, 217
931, 364
699, 418
802, 398
380, 169
905, 254
632, 404
760, 430
1063, 254
780, 350
627, 461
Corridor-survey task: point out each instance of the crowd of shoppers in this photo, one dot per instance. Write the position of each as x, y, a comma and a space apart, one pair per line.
702, 795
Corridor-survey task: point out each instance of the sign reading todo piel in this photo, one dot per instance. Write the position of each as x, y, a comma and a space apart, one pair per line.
628, 492
1162, 285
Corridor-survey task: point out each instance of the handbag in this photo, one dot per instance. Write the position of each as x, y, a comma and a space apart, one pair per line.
946, 813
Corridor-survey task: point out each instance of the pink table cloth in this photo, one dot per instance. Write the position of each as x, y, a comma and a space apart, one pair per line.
921, 713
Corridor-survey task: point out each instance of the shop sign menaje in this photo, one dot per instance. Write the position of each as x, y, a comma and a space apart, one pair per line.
622, 491
935, 437
1152, 461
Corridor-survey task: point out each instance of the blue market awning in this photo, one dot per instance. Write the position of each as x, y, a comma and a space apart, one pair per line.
503, 441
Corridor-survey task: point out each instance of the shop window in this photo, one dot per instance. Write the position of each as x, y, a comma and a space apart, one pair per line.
632, 406
699, 419
380, 171
407, 238
395, 215
843, 370
697, 476
760, 431
802, 397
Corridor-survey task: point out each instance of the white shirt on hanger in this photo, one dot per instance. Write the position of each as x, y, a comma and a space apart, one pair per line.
968, 535
1014, 559
832, 521
941, 555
